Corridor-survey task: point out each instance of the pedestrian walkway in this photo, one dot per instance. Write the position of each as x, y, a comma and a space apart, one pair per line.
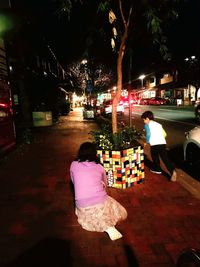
38, 227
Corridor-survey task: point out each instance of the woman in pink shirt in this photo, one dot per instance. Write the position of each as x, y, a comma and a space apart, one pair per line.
96, 211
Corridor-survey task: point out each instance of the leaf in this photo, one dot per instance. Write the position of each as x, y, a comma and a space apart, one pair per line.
124, 138
111, 17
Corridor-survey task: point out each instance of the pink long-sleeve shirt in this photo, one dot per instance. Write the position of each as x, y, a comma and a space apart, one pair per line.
89, 179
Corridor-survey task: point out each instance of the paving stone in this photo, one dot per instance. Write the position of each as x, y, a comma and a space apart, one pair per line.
38, 225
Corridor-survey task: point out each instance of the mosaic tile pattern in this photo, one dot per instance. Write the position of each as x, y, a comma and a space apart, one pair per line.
124, 168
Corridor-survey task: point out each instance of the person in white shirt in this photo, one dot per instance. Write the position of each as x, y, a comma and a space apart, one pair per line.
155, 137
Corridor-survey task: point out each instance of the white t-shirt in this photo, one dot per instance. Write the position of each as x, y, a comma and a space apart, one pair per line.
156, 133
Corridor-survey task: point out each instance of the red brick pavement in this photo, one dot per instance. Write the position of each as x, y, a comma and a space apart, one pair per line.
38, 226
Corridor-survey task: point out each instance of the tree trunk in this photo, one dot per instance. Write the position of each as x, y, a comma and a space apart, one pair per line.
118, 91
119, 67
119, 82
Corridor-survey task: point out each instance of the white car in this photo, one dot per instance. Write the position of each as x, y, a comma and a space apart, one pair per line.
191, 146
108, 107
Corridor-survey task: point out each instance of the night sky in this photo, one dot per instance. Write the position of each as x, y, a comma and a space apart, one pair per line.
68, 38
185, 32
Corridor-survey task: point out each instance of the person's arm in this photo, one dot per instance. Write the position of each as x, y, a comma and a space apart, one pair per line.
148, 133
104, 178
71, 173
164, 133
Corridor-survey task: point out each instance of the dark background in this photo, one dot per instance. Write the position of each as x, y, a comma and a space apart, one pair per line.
71, 38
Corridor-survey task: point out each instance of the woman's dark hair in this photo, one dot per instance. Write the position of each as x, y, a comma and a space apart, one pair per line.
87, 152
147, 114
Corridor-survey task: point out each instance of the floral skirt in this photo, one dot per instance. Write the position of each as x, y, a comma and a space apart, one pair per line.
100, 217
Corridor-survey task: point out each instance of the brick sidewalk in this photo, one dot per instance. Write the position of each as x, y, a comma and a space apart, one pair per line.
39, 228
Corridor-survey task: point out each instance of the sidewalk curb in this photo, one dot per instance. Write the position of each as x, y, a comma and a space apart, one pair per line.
184, 179
189, 183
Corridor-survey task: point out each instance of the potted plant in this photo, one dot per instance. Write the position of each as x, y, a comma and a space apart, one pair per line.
121, 155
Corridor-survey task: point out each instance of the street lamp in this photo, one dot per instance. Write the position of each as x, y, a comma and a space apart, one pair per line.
84, 63
190, 59
192, 74
141, 77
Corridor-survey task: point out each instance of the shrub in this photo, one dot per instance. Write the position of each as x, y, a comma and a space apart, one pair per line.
105, 140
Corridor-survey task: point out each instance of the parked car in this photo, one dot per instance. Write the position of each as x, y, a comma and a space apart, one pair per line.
108, 107
157, 101
191, 146
125, 103
135, 101
197, 110
143, 101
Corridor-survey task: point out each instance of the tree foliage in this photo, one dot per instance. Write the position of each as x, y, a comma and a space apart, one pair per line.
100, 75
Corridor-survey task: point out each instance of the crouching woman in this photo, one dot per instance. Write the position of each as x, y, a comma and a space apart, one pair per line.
95, 209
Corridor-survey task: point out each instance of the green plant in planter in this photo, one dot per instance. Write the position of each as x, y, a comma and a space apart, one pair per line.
125, 138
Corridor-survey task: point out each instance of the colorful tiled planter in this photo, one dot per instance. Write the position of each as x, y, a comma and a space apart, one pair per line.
124, 168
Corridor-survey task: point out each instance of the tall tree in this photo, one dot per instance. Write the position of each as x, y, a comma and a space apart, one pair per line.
123, 17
